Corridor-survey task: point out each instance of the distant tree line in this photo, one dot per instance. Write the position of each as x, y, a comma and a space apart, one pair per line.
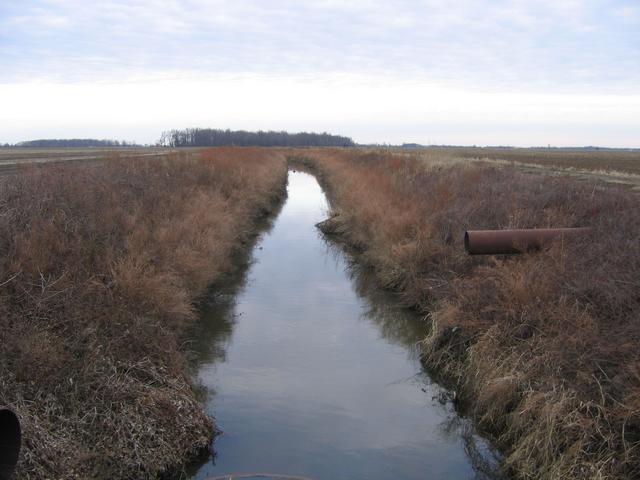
208, 137
74, 142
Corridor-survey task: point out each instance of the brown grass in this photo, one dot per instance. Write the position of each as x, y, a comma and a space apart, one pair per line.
543, 350
99, 269
623, 161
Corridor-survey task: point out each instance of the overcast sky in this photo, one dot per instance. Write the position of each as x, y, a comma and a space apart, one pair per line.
519, 72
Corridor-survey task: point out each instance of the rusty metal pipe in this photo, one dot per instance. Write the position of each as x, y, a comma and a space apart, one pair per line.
10, 440
496, 242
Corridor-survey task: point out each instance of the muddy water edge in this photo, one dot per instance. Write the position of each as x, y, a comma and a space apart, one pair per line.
311, 370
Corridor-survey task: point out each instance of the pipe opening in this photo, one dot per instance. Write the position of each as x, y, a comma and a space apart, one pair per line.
10, 439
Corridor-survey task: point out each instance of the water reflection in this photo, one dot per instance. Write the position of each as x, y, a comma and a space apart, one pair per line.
313, 371
397, 325
209, 337
404, 327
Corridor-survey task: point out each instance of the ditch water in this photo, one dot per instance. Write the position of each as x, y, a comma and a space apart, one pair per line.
312, 371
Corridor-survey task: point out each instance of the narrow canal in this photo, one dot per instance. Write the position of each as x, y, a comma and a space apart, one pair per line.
310, 370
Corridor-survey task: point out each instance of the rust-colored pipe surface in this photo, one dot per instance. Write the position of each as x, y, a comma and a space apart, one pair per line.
496, 242
10, 439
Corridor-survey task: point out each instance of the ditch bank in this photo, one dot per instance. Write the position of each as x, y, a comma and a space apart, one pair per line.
541, 350
312, 371
101, 268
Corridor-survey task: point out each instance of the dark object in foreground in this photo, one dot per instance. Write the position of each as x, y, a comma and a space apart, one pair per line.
496, 242
10, 437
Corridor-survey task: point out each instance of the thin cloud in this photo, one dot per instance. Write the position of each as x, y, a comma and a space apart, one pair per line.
564, 72
493, 44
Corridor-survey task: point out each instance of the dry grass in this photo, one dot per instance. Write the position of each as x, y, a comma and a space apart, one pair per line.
544, 349
622, 161
99, 269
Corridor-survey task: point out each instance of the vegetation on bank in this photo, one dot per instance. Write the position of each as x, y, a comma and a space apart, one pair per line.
99, 267
543, 350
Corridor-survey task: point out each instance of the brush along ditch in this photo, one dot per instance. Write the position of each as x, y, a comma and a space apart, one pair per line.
100, 266
543, 350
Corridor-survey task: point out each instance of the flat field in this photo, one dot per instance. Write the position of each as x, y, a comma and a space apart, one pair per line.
12, 158
18, 155
607, 165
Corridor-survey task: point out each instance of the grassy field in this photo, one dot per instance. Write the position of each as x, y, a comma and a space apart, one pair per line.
611, 166
100, 266
543, 350
602, 160
13, 159
624, 161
